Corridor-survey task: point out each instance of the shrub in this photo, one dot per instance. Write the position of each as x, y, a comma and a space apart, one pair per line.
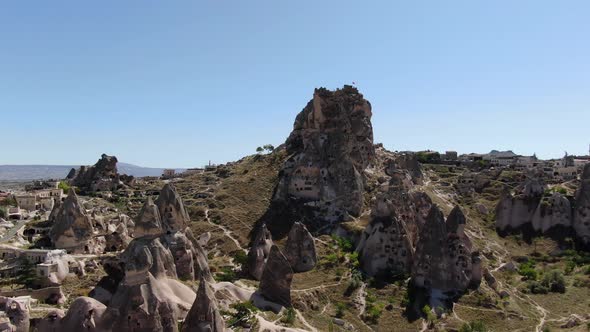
527, 270
241, 258
554, 281
290, 315
427, 311
226, 274
570, 266
243, 314
536, 287
340, 307
372, 312
63, 186
344, 244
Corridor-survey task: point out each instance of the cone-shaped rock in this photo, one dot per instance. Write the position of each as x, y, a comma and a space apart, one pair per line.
204, 315
148, 221
385, 248
172, 211
72, 229
258, 254
275, 284
300, 248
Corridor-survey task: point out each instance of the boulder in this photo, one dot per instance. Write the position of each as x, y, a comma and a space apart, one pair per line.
516, 211
300, 249
275, 284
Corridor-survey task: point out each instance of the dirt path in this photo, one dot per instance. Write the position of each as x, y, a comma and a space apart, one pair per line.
226, 232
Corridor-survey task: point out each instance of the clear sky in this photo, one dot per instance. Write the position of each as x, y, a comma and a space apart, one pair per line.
178, 83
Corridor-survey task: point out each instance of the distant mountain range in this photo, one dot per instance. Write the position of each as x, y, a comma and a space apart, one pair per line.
38, 172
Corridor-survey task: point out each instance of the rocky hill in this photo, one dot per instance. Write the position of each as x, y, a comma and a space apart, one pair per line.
330, 232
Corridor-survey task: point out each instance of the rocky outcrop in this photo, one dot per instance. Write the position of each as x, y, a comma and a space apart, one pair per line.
102, 176
515, 211
72, 229
330, 146
172, 211
300, 249
117, 237
385, 247
204, 315
275, 283
17, 312
581, 223
258, 254
553, 210
148, 221
444, 260
84, 314
406, 161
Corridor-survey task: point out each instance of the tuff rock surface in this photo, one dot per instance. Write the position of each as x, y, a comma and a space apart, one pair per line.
300, 249
204, 315
102, 176
330, 146
17, 313
259, 251
444, 259
581, 223
275, 283
72, 229
148, 221
172, 212
385, 246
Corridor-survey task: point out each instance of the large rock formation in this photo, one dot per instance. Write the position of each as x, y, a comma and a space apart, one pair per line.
172, 211
72, 229
102, 176
204, 315
515, 211
444, 260
275, 284
258, 254
385, 247
330, 146
148, 221
300, 249
581, 222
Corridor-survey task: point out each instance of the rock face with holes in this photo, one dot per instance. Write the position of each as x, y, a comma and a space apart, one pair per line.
300, 249
172, 211
385, 246
72, 229
330, 146
148, 221
444, 259
275, 284
204, 315
17, 312
582, 212
102, 176
516, 211
258, 254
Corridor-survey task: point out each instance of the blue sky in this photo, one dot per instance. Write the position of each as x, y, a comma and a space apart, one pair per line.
179, 83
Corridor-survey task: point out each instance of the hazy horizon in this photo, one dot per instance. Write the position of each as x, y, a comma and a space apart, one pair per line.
179, 84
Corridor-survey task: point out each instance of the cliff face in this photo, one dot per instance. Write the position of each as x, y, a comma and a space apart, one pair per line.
581, 222
330, 146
